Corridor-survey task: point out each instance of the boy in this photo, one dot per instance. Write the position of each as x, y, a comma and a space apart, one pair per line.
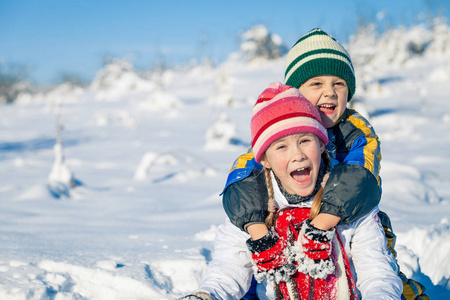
322, 70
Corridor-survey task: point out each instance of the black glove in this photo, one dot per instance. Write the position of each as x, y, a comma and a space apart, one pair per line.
245, 201
350, 193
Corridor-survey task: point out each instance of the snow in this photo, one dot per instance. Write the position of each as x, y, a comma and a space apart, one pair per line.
151, 152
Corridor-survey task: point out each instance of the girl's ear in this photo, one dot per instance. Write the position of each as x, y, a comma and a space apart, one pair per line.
265, 163
322, 147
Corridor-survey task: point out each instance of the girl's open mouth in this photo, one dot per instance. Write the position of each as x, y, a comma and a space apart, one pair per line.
327, 109
301, 175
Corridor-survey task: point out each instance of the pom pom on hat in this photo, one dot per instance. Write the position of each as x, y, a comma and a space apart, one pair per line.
318, 53
280, 111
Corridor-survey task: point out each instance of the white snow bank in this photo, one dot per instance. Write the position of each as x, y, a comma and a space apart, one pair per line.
406, 184
426, 250
178, 275
69, 280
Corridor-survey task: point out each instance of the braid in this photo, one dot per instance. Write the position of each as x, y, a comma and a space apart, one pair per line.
271, 202
317, 202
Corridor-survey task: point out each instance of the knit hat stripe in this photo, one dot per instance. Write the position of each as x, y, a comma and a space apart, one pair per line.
313, 32
271, 93
283, 119
289, 96
330, 54
281, 110
284, 128
311, 47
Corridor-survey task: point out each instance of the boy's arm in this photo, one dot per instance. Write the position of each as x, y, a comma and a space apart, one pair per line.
245, 201
350, 193
354, 187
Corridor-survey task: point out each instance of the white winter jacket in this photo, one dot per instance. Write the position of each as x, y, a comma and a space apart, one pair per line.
373, 266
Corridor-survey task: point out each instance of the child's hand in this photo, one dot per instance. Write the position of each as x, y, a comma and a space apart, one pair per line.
315, 249
311, 246
271, 257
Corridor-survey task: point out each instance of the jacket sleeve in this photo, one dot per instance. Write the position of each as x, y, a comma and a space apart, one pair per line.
375, 266
354, 186
245, 201
230, 272
350, 193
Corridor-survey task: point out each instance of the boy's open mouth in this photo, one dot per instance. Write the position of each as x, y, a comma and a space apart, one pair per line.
327, 108
301, 175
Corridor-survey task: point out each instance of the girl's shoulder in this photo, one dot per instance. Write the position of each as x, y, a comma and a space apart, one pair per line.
372, 216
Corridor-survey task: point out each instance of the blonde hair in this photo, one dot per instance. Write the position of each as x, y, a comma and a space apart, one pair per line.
316, 204
271, 203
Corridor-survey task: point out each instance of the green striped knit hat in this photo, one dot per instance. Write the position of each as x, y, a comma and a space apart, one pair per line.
318, 53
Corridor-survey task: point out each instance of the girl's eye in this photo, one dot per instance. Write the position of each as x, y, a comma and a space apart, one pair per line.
280, 147
302, 141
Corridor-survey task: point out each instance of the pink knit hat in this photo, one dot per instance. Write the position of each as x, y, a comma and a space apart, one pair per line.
280, 111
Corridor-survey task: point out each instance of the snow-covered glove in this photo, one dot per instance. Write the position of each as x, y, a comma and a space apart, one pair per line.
198, 296
271, 257
313, 251
288, 222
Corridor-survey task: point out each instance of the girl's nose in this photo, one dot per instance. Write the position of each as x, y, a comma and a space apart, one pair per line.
297, 154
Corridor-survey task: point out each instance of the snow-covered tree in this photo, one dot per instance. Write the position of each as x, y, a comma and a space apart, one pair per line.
13, 83
117, 78
259, 44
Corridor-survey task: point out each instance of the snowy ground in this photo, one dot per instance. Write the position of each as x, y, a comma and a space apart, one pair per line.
151, 159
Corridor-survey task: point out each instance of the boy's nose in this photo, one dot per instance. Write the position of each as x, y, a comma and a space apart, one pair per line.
329, 91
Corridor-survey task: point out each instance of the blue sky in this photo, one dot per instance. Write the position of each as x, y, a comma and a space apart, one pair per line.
53, 37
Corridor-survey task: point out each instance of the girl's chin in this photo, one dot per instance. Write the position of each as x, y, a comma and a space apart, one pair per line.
303, 191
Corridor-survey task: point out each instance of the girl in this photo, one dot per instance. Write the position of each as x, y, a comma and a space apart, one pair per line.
349, 262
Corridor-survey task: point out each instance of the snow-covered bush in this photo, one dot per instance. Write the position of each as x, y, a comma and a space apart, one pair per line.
60, 180
398, 45
151, 158
221, 134
259, 44
13, 84
119, 78
223, 91
160, 100
162, 165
